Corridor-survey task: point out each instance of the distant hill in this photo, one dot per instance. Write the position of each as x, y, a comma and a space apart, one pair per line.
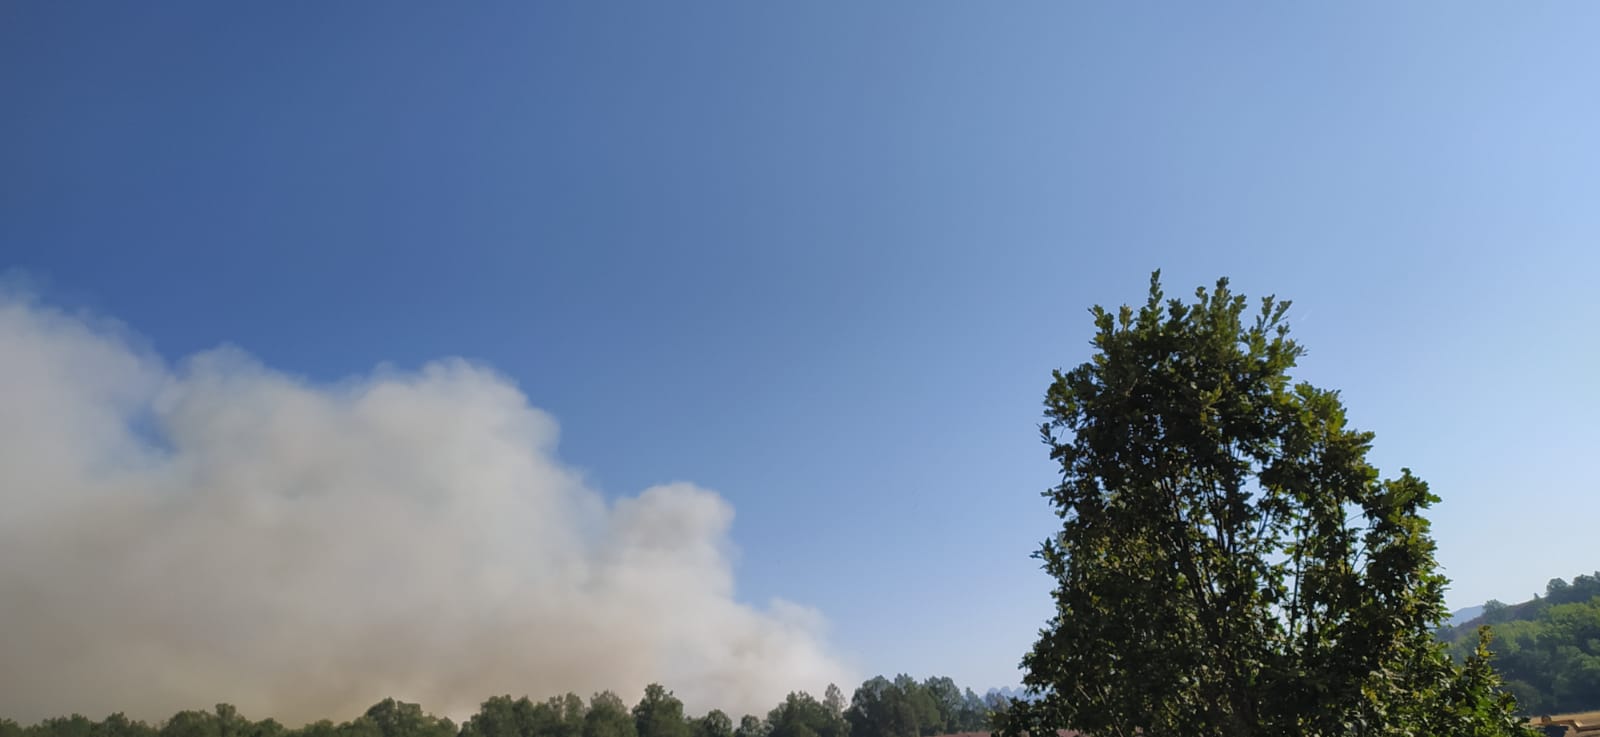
1007, 692
1547, 648
1462, 616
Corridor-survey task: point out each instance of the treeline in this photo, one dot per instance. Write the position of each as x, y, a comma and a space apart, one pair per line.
902, 707
1547, 649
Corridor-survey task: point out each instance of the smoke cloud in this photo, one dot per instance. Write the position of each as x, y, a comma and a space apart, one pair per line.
217, 531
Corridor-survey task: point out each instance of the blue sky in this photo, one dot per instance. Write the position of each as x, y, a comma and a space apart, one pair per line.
822, 258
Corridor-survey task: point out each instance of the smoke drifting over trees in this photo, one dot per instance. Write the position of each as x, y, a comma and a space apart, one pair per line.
221, 531
903, 707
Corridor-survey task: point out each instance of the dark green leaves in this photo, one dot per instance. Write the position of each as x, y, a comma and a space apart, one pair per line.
1228, 561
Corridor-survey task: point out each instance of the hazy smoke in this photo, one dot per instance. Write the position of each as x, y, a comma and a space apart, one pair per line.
174, 537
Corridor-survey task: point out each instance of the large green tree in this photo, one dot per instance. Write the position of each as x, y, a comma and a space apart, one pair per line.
1229, 563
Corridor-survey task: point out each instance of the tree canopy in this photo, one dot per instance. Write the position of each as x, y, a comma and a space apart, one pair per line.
1229, 563
659, 714
933, 706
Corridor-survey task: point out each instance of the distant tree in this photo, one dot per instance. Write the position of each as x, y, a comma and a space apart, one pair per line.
76, 725
229, 723
946, 698
801, 715
751, 726
659, 714
833, 699
568, 716
974, 716
1494, 612
1550, 655
925, 712
608, 717
1228, 563
363, 726
884, 708
328, 728
902, 707
402, 719
715, 723
871, 712
1582, 588
497, 717
998, 711
263, 728
320, 728
191, 724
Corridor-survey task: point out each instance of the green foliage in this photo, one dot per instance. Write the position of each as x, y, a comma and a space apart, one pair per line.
568, 715
905, 708
359, 727
973, 715
1548, 649
800, 715
1582, 589
659, 714
945, 696
608, 717
1229, 563
400, 719
501, 716
901, 708
188, 724
118, 725
714, 724
751, 726
833, 701
74, 726
932, 707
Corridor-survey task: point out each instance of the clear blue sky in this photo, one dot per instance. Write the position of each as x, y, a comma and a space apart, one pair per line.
821, 258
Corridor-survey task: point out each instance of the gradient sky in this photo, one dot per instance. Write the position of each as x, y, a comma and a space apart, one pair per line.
821, 258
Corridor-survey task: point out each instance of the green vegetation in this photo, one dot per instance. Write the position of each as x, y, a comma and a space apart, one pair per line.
1229, 564
903, 707
1548, 648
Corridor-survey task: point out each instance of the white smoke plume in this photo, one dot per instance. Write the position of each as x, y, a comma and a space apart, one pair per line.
216, 531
